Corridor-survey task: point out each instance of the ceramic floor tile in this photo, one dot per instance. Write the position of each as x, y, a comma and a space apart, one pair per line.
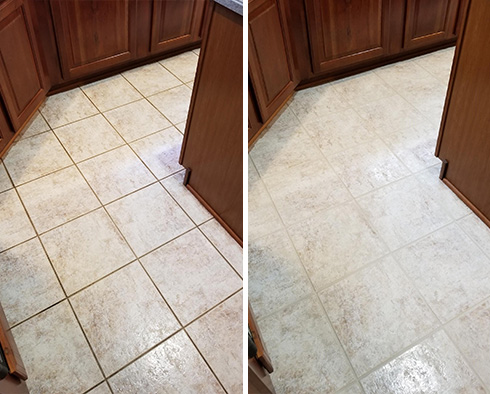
403, 212
438, 63
115, 174
181, 126
335, 243
183, 66
111, 93
354, 389
302, 332
121, 325
86, 249
219, 337
151, 79
54, 199
62, 108
191, 275
29, 283
190, 204
55, 353
434, 366
285, 119
148, 218
34, 157
402, 75
180, 369
101, 389
449, 270
197, 51
276, 277
160, 152
137, 120
478, 231
295, 191
36, 125
376, 313
5, 183
224, 242
367, 167
88, 137
173, 103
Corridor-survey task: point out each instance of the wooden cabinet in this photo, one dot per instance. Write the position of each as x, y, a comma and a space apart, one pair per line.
6, 130
254, 120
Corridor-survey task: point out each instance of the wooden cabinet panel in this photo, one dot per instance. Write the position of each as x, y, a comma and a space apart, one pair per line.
6, 130
254, 121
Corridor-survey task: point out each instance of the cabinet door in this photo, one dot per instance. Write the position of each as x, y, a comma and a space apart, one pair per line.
429, 22
6, 131
270, 68
21, 83
176, 23
346, 32
93, 35
254, 122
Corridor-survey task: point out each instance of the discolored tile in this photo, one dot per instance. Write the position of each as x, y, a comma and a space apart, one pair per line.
180, 370
183, 66
5, 183
36, 125
285, 119
151, 79
478, 231
28, 284
219, 337
86, 249
55, 353
121, 325
173, 103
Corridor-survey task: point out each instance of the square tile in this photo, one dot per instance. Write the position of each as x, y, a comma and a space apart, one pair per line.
219, 337
111, 93
29, 283
149, 218
34, 157
5, 183
137, 120
353, 389
36, 125
183, 66
160, 152
101, 389
335, 243
85, 250
180, 370
88, 137
478, 231
376, 313
123, 315
449, 270
151, 79
55, 353
438, 63
115, 173
67, 107
402, 75
190, 204
15, 224
434, 366
285, 119
403, 212
302, 332
173, 103
57, 198
276, 276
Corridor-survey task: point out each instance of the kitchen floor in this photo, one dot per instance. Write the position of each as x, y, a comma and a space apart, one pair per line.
366, 273
113, 276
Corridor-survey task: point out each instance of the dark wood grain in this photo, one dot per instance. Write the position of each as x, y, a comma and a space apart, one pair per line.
12, 355
254, 120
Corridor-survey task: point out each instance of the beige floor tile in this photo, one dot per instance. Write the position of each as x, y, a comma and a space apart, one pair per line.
88, 137
115, 174
55, 353
302, 332
148, 218
180, 370
36, 125
101, 389
353, 389
434, 366
54, 199
123, 316
191, 275
335, 243
219, 337
34, 157
151, 79
190, 204
183, 66
403, 212
86, 249
111, 93
173, 103
276, 276
5, 183
438, 63
181, 126
29, 283
225, 243
478, 231
367, 167
67, 107
160, 152
14, 222
449, 270
402, 75
285, 119
197, 51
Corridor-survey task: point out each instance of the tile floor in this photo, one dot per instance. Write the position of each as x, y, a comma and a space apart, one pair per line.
114, 278
366, 273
